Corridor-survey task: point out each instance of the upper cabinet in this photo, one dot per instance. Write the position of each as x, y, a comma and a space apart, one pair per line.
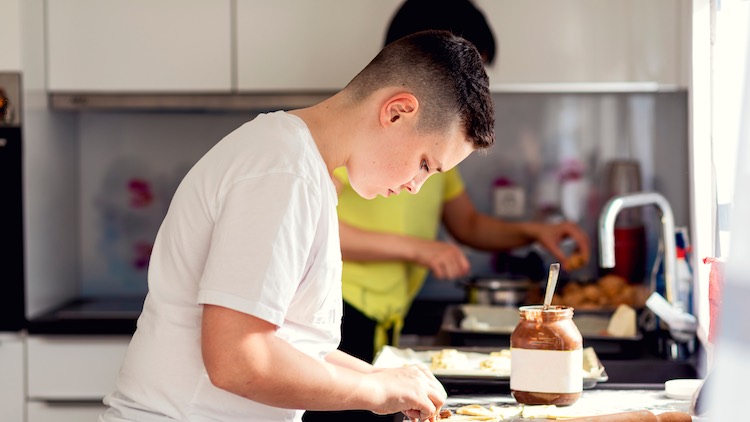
589, 41
307, 45
267, 46
10, 35
139, 45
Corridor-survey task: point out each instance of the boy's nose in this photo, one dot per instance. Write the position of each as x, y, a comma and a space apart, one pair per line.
413, 186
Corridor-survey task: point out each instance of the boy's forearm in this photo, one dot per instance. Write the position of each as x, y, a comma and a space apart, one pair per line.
277, 374
339, 358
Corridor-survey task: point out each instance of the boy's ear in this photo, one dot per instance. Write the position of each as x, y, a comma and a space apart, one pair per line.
399, 106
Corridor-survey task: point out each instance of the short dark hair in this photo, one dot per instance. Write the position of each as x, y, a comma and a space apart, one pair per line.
460, 17
446, 74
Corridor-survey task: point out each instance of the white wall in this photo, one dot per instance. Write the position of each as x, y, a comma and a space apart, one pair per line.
50, 162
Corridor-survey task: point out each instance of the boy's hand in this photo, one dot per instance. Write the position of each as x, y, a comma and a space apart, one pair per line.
411, 389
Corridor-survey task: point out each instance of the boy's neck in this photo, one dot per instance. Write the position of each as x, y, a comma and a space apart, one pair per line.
331, 127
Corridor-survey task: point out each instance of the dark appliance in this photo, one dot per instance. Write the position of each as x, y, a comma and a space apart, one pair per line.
12, 302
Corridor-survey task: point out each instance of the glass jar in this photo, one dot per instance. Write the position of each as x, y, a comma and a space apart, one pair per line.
546, 357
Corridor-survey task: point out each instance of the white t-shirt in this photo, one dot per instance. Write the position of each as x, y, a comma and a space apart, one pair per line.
252, 227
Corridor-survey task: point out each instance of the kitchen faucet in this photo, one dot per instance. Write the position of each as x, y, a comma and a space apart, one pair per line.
607, 235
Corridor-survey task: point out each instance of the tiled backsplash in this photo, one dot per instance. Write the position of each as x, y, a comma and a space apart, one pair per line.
132, 162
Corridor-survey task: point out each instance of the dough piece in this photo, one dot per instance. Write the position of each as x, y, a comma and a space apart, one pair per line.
575, 261
591, 366
449, 359
475, 410
497, 362
460, 418
506, 412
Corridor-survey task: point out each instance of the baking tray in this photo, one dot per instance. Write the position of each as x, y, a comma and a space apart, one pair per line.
496, 324
471, 375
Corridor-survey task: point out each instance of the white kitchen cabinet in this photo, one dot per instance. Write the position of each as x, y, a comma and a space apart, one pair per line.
10, 35
307, 45
254, 46
589, 41
11, 377
65, 368
139, 45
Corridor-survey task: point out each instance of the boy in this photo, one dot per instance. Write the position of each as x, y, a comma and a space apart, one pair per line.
243, 313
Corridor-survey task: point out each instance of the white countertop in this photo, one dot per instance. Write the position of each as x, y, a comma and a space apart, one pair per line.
591, 403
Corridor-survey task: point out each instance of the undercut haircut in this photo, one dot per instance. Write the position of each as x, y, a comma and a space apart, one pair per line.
445, 73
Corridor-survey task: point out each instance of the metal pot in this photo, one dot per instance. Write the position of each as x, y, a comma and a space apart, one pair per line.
497, 289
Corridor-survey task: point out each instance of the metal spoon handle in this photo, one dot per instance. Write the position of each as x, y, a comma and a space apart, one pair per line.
554, 271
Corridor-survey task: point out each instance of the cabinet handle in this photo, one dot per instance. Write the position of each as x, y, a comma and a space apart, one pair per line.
74, 402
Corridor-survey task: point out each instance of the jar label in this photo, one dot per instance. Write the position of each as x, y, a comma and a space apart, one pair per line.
546, 371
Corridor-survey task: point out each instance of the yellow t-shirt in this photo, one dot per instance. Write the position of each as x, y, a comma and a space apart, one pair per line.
384, 290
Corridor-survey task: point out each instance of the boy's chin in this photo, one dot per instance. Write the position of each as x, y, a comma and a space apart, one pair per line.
362, 191
366, 195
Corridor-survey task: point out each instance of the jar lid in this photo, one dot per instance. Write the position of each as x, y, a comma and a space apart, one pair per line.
553, 311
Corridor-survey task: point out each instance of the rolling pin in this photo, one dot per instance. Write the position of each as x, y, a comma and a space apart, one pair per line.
637, 416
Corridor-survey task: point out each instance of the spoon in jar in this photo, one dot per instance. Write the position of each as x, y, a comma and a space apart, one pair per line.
554, 271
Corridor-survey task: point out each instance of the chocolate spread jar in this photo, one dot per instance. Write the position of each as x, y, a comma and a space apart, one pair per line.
546, 355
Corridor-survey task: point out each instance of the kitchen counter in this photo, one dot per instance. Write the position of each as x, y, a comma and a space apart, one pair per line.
592, 402
90, 316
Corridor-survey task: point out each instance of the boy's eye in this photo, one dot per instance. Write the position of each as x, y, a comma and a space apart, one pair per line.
425, 166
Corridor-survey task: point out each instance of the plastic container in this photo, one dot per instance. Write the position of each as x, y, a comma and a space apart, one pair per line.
684, 282
546, 357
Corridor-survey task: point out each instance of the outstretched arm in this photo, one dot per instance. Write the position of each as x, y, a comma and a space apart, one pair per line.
488, 233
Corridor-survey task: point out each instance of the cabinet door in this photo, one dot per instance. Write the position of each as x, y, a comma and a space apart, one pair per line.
581, 41
307, 45
11, 377
139, 45
65, 368
10, 34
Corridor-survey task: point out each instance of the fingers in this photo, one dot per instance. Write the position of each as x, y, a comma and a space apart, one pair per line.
551, 235
581, 239
447, 261
419, 392
436, 393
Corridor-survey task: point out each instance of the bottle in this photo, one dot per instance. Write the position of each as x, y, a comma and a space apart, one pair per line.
684, 281
546, 351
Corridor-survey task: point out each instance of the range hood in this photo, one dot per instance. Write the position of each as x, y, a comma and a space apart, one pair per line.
185, 102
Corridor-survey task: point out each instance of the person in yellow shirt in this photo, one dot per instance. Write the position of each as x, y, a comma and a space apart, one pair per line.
389, 245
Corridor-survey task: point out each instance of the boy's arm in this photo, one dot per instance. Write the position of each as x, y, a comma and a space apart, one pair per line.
345, 360
243, 355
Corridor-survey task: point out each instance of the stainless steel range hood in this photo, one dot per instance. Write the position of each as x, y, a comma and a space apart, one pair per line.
185, 102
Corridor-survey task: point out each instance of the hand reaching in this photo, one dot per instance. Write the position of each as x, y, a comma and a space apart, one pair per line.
550, 236
445, 260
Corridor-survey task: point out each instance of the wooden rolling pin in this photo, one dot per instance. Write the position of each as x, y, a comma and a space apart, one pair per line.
637, 416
